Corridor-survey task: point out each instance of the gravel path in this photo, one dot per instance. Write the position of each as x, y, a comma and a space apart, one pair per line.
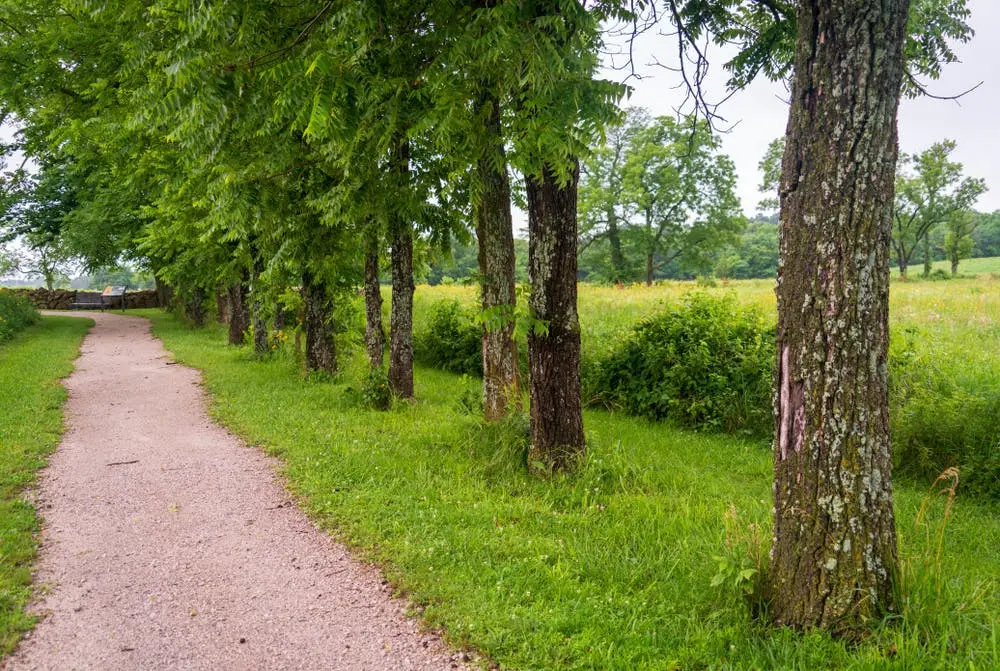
169, 544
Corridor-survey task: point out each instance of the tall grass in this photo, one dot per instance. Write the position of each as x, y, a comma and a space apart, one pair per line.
31, 400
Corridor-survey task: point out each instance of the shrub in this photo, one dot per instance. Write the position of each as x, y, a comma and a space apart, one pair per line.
451, 340
375, 391
944, 413
706, 363
16, 312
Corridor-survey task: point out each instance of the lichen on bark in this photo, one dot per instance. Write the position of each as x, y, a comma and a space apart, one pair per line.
833, 554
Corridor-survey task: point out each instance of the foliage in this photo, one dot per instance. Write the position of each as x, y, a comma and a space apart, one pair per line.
958, 242
706, 363
608, 568
930, 188
16, 313
658, 193
450, 340
375, 391
31, 399
945, 411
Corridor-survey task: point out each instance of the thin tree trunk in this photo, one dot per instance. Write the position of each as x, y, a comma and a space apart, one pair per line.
615, 242
374, 333
833, 557
261, 346
163, 292
221, 306
557, 440
927, 254
954, 265
321, 353
239, 314
194, 306
401, 320
495, 232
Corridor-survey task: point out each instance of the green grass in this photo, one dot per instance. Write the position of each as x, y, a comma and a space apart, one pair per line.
609, 568
980, 266
31, 421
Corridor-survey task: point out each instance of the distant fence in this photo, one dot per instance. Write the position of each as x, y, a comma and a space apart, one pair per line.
61, 299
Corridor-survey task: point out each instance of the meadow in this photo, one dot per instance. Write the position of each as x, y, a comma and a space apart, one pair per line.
641, 560
31, 422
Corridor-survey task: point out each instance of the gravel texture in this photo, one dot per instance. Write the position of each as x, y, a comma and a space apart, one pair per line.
170, 544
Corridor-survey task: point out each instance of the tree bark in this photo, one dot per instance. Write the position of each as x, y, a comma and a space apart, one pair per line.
495, 233
261, 346
164, 293
239, 314
615, 242
557, 440
221, 306
928, 265
833, 557
401, 319
194, 306
374, 333
321, 352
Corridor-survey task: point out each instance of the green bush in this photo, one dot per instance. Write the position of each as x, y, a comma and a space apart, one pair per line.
706, 363
16, 312
451, 340
943, 413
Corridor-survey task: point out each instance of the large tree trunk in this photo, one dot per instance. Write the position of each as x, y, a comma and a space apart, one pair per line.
557, 440
374, 333
401, 319
495, 232
239, 313
321, 353
164, 293
833, 557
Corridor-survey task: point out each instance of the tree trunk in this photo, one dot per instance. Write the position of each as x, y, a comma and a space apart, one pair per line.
321, 353
239, 314
954, 265
261, 346
927, 254
221, 306
557, 440
401, 319
615, 242
163, 292
374, 333
833, 557
194, 306
495, 233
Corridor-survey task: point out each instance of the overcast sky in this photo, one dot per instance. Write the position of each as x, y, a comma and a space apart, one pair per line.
973, 122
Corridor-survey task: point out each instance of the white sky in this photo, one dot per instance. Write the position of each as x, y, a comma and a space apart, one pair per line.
972, 121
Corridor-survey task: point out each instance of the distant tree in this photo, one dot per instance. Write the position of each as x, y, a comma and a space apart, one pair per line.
987, 234
755, 254
958, 242
929, 189
770, 175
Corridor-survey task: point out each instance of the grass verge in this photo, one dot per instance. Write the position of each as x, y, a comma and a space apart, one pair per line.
610, 568
31, 422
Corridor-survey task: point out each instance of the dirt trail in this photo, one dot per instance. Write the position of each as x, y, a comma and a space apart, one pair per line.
169, 544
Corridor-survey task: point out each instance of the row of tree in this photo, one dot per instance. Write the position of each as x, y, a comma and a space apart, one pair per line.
245, 148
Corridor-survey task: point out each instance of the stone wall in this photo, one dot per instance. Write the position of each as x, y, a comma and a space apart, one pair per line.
61, 299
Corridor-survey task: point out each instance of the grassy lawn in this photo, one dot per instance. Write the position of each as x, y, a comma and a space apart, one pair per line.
610, 568
31, 421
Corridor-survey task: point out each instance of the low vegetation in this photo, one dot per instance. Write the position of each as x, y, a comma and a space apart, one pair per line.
31, 421
944, 366
610, 568
16, 313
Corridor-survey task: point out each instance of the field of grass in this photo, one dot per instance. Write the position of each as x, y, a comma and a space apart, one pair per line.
31, 421
982, 266
609, 568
